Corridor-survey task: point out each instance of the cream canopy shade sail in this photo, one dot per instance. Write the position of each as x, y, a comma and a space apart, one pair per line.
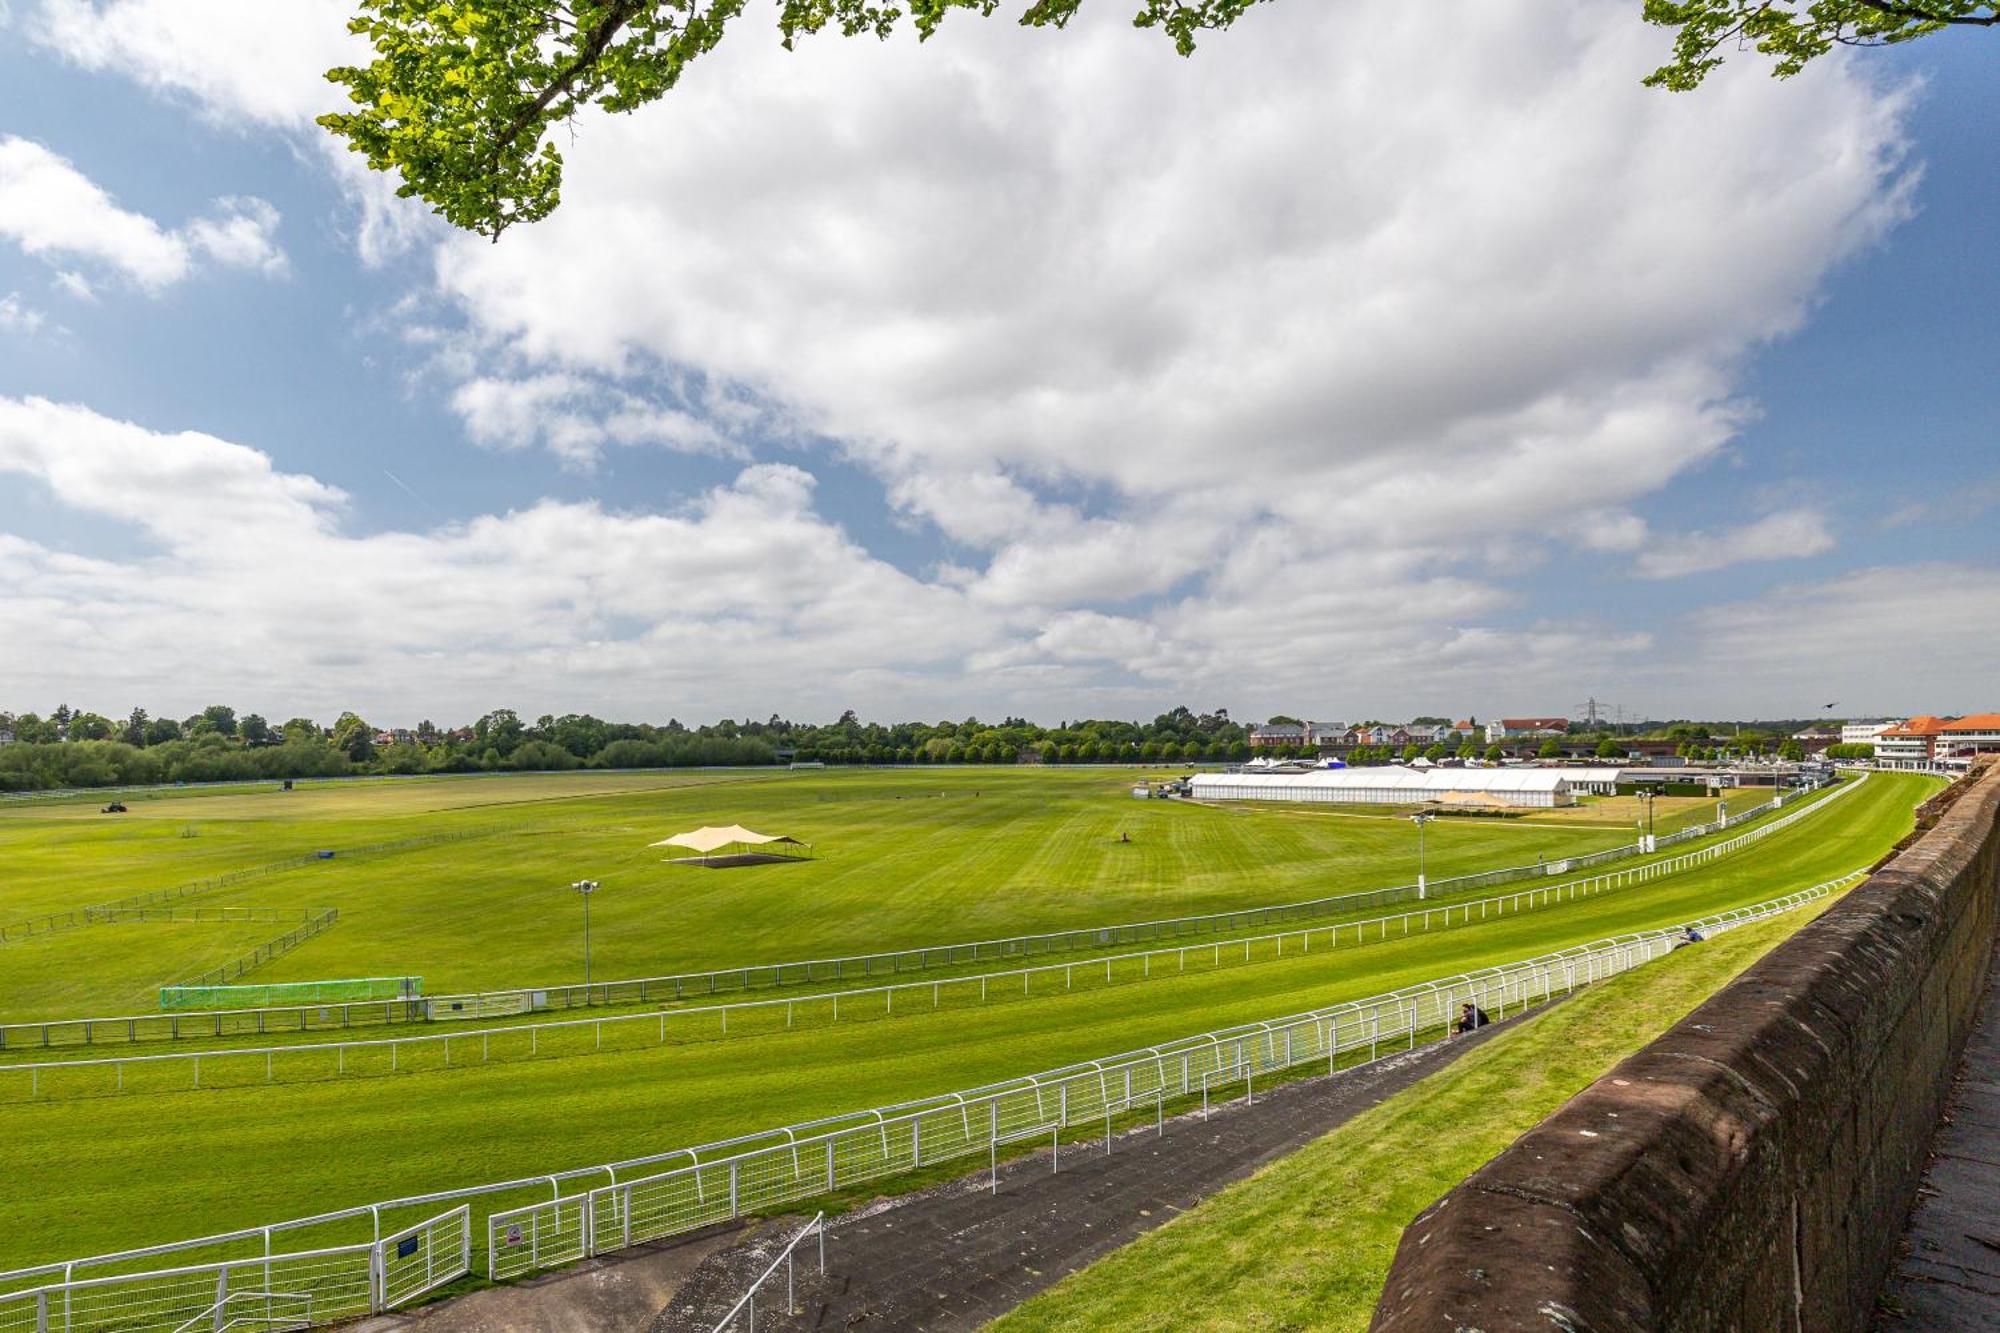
707, 840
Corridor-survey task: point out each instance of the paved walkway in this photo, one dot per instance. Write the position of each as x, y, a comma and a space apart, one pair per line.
956, 1255
1949, 1276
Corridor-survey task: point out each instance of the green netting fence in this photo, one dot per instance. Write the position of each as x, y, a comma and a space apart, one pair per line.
291, 992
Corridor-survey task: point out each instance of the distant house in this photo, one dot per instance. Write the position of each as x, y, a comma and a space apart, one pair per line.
1272, 735
1325, 736
1465, 730
6, 735
1509, 728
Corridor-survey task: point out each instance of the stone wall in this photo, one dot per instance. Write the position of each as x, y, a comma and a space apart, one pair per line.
1751, 1169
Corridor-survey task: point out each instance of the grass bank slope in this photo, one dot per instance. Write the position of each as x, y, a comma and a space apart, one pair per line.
1307, 1242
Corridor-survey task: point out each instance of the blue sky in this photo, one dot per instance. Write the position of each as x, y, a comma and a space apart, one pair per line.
1254, 390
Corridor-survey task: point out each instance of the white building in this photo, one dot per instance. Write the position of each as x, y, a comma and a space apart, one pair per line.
1391, 785
1864, 733
1510, 728
1593, 781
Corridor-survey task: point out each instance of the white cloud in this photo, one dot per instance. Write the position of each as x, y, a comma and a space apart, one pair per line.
50, 209
1439, 297
53, 211
1263, 375
17, 317
743, 597
576, 417
243, 63
1886, 640
235, 59
746, 598
1789, 534
239, 235
1610, 530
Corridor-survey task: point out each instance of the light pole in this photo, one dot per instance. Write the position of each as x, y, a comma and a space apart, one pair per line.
1420, 821
586, 887
1648, 797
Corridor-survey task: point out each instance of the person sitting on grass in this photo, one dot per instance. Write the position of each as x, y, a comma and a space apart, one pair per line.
1689, 935
1471, 1017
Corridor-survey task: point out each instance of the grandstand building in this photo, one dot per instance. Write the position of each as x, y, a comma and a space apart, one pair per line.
1912, 744
1538, 788
1969, 736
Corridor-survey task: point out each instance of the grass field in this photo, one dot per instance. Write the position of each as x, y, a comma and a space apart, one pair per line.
97, 1174
1307, 1241
902, 858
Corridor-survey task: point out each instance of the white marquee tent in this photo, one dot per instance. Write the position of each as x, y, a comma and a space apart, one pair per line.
1534, 787
743, 845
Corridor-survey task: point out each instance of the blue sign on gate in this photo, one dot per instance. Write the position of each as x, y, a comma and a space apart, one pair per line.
407, 1246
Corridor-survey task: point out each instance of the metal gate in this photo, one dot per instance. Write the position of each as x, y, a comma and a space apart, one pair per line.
419, 1258
542, 1235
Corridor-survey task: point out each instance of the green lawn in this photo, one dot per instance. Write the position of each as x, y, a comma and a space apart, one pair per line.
89, 1175
1306, 1242
903, 858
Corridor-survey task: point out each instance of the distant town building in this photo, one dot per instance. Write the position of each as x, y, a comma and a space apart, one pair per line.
1273, 735
1864, 733
1508, 728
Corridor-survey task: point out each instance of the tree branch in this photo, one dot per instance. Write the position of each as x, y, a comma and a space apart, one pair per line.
591, 51
1900, 11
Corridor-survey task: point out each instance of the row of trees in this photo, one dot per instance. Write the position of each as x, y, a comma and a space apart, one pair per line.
78, 748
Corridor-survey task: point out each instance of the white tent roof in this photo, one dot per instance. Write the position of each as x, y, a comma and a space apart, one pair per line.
1394, 776
707, 839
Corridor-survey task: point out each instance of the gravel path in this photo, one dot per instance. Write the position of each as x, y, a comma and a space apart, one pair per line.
956, 1255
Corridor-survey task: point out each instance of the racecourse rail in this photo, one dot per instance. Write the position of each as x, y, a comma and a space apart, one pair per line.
211, 1024
120, 909
684, 1189
318, 1061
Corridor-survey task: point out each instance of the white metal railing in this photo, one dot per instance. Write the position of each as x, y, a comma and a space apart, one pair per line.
676, 988
273, 1316
772, 1170
383, 1057
334, 1283
748, 1304
127, 908
765, 1170
355, 1059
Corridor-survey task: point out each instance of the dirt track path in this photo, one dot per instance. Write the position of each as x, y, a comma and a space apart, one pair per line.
956, 1255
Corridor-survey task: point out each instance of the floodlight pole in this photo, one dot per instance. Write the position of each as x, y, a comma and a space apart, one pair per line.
1420, 821
586, 887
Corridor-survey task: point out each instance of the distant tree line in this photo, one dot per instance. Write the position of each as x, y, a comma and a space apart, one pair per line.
78, 748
